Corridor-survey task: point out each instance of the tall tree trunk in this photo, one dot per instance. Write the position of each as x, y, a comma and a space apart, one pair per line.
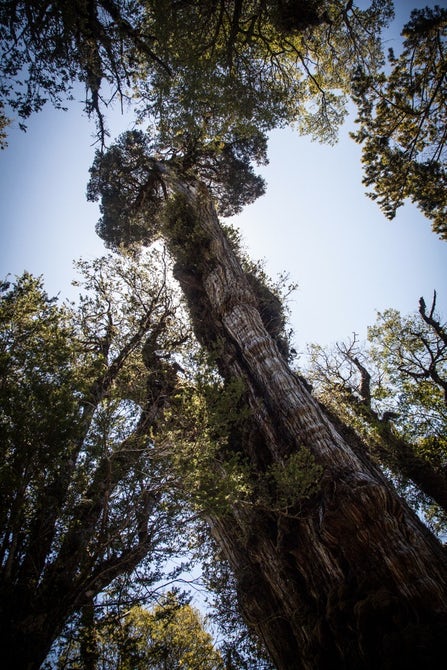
88, 647
348, 577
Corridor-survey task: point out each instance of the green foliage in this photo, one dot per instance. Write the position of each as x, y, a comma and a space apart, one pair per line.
208, 428
131, 190
413, 357
48, 47
38, 369
205, 415
393, 393
196, 68
225, 167
295, 480
264, 64
170, 636
402, 117
85, 495
133, 184
183, 232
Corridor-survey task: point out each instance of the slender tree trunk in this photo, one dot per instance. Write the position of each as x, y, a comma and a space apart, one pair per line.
88, 651
34, 608
349, 578
402, 458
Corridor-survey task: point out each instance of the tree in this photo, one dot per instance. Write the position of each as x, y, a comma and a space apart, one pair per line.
393, 395
48, 47
300, 546
85, 497
258, 63
413, 352
402, 118
171, 635
190, 57
307, 579
240, 648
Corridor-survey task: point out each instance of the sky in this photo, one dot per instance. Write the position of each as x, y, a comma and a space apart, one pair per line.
314, 223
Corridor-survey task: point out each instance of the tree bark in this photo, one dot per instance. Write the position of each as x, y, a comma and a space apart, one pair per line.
349, 578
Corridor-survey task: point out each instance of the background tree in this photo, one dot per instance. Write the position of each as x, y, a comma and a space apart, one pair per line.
49, 47
85, 497
259, 63
393, 393
240, 648
304, 571
403, 117
170, 636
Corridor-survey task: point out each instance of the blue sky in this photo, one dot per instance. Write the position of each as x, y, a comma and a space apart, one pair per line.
314, 223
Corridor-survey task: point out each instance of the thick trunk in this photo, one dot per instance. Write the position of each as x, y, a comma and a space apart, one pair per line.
346, 577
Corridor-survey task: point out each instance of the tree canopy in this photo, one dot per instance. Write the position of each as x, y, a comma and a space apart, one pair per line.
49, 47
275, 62
130, 180
393, 393
197, 71
403, 118
85, 498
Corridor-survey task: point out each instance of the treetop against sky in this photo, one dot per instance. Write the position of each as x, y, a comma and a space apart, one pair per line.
314, 200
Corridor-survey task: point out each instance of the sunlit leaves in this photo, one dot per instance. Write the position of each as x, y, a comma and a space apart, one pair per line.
170, 636
393, 392
254, 61
403, 118
267, 64
412, 356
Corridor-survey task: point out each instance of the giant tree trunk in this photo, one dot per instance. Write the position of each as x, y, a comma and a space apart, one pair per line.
349, 577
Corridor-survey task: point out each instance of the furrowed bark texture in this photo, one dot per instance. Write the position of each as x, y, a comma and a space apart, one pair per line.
351, 579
